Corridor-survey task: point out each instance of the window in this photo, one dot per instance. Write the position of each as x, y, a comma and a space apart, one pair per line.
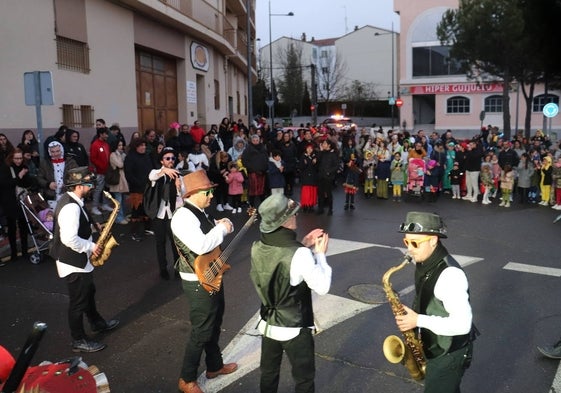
77, 116
434, 61
216, 94
540, 101
238, 102
494, 104
457, 105
72, 55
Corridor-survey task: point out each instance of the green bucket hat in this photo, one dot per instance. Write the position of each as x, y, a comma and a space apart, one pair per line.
423, 223
275, 210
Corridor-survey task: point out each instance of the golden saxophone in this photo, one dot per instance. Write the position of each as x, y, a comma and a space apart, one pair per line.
410, 353
106, 240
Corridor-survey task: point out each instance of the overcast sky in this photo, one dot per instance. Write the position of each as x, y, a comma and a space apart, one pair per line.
321, 18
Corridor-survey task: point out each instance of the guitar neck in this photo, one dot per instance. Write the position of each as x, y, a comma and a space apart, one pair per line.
228, 250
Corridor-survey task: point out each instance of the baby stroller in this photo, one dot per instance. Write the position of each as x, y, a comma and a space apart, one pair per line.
415, 178
34, 206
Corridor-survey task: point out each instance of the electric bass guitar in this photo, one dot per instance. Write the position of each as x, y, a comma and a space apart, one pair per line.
210, 267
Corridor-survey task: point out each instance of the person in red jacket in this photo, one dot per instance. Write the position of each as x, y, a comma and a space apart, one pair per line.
197, 132
99, 157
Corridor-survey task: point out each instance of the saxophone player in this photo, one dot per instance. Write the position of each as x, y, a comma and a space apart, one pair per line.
72, 248
441, 308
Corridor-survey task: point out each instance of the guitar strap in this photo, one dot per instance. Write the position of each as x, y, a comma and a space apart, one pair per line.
185, 262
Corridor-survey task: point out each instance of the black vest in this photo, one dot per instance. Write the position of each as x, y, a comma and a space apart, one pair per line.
426, 303
187, 256
61, 252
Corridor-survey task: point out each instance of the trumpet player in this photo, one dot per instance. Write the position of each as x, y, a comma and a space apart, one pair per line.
441, 309
71, 249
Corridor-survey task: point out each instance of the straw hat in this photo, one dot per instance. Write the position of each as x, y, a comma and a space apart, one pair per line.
195, 182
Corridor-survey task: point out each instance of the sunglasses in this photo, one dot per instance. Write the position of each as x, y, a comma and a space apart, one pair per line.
415, 243
207, 192
88, 185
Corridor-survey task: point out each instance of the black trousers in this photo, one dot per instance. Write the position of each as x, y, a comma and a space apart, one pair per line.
81, 291
162, 232
444, 374
13, 225
325, 193
206, 312
300, 352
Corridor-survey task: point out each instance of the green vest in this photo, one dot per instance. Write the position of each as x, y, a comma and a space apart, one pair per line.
281, 303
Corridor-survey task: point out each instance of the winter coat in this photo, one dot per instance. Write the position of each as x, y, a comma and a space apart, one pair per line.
117, 160
137, 168
525, 174
255, 158
308, 170
235, 183
99, 156
8, 198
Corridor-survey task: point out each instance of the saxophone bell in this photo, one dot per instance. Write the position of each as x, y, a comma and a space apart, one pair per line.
408, 352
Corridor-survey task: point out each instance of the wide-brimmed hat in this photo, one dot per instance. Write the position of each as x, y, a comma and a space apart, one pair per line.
196, 181
275, 210
423, 223
79, 176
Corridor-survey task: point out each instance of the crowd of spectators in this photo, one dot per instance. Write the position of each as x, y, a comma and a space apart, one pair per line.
248, 163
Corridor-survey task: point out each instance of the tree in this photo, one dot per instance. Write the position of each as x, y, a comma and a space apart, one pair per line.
291, 86
503, 41
331, 72
358, 93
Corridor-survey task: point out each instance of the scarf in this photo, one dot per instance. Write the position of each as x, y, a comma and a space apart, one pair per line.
282, 237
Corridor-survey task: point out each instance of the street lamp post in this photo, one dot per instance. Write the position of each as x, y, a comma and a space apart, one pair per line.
392, 98
271, 102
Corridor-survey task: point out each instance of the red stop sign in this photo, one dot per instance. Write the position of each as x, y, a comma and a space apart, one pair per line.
398, 102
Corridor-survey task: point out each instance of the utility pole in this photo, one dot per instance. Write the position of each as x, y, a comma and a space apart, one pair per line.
314, 95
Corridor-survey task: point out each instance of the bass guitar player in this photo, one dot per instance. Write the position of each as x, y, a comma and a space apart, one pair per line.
195, 234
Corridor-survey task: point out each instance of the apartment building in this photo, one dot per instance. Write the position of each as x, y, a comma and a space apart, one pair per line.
140, 63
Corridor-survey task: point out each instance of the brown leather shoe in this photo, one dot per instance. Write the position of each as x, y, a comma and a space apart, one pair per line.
189, 387
226, 369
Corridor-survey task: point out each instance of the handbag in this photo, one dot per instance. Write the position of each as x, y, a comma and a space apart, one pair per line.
151, 199
112, 176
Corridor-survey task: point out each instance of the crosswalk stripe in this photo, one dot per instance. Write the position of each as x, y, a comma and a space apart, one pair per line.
522, 267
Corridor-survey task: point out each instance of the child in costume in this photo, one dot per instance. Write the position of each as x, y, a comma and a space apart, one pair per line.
368, 167
546, 172
507, 184
235, 180
351, 182
486, 176
398, 176
455, 176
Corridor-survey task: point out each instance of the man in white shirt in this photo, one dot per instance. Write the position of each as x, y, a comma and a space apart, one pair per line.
72, 248
195, 234
284, 272
166, 179
441, 309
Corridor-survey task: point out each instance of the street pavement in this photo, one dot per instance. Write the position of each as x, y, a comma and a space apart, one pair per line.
510, 256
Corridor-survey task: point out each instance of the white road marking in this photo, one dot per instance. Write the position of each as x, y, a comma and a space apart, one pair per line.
329, 310
522, 267
245, 348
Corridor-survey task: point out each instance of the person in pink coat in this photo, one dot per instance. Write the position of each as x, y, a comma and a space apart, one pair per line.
235, 180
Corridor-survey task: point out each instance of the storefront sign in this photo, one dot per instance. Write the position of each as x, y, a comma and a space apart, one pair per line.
459, 88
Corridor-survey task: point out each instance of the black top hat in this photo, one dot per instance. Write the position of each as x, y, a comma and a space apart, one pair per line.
79, 176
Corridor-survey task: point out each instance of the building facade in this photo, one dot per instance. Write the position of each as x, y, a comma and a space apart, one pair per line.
363, 55
140, 63
436, 96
